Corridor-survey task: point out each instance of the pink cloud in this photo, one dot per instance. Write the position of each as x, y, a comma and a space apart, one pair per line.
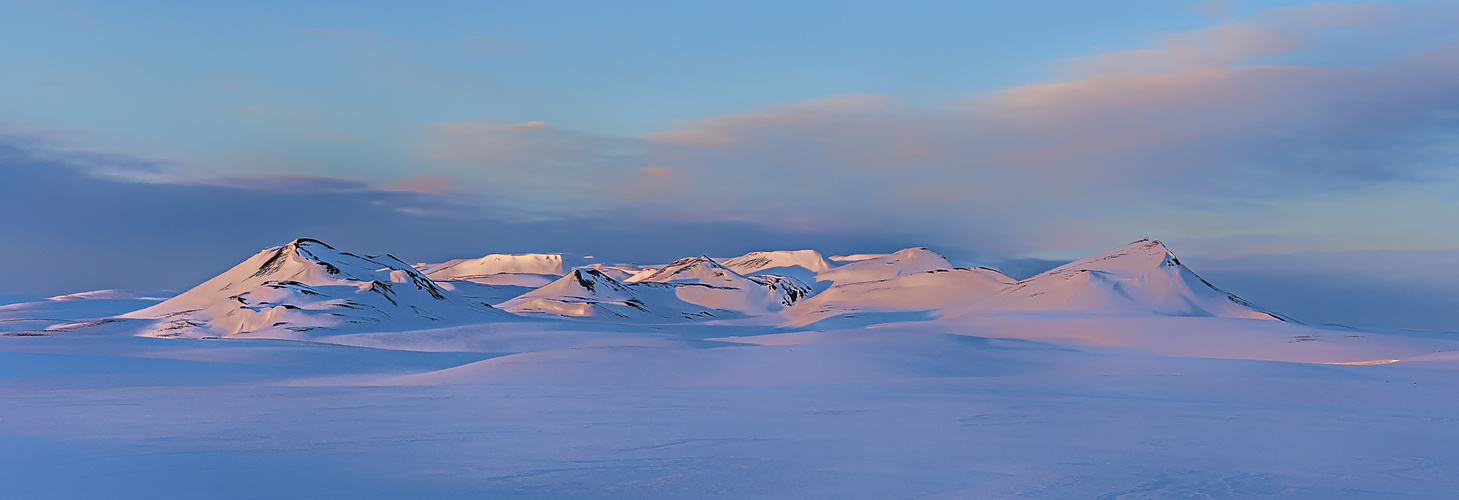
426, 184
481, 141
1184, 138
727, 130
1278, 30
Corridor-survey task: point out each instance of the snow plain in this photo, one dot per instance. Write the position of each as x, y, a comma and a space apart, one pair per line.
1119, 376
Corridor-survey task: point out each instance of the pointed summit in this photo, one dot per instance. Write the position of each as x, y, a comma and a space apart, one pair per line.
1136, 259
699, 269
300, 257
589, 284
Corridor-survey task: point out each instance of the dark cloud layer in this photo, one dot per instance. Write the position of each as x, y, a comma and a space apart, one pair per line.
67, 229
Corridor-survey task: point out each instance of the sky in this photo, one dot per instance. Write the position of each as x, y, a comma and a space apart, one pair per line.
1306, 154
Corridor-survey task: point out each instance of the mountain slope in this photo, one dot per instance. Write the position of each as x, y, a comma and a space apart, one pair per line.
925, 291
307, 285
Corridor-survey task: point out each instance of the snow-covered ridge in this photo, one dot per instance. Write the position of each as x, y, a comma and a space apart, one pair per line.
755, 262
881, 267
498, 263
308, 288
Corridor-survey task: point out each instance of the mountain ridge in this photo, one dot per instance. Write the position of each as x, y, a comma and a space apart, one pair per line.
308, 286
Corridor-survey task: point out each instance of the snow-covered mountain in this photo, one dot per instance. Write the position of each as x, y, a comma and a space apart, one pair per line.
1138, 279
1151, 381
307, 285
581, 293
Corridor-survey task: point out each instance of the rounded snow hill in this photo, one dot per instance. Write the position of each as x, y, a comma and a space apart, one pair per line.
873, 268
555, 264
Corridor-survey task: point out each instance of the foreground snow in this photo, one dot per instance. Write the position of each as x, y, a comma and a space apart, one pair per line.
554, 412
1120, 376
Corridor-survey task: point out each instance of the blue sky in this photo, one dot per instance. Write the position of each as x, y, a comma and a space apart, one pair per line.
196, 133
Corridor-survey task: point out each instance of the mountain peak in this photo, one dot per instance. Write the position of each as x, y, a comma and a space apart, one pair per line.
1140, 277
303, 255
1138, 256
592, 279
581, 292
308, 241
306, 285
